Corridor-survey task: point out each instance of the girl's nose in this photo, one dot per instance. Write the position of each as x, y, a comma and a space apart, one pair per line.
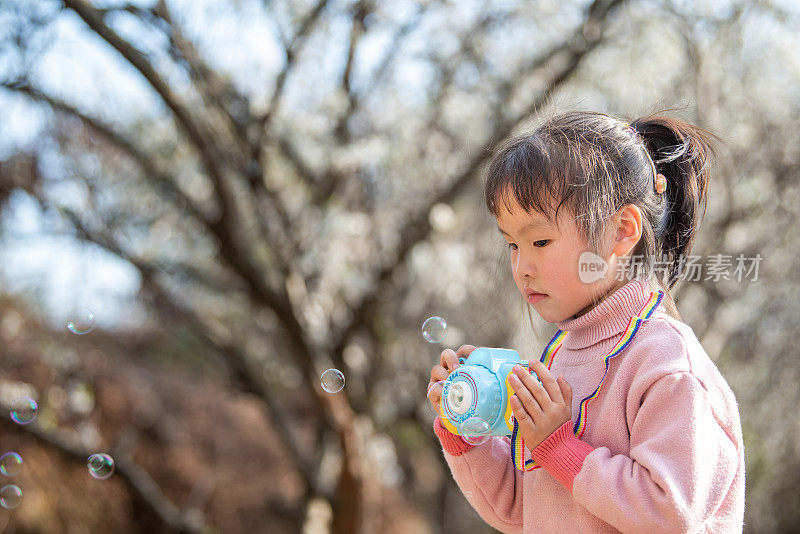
522, 265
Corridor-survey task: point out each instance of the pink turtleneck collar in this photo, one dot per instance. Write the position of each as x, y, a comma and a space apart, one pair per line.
608, 318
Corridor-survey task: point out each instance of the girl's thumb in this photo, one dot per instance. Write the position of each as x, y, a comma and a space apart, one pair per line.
566, 391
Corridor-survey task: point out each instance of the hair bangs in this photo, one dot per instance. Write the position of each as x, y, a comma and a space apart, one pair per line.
525, 173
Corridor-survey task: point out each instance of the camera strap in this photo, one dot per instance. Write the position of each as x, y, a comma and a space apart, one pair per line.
517, 443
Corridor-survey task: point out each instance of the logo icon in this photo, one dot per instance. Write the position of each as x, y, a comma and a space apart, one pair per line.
591, 267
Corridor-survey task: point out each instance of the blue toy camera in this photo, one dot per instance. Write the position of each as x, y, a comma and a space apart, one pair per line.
475, 396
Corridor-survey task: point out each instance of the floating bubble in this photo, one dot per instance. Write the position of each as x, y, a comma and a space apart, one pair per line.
434, 397
332, 380
23, 410
80, 320
474, 430
100, 465
10, 464
10, 496
434, 329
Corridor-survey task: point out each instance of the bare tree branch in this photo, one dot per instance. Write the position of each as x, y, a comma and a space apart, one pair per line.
305, 172
226, 225
323, 185
231, 255
263, 122
400, 35
152, 173
150, 170
218, 93
212, 161
291, 51
225, 100
360, 12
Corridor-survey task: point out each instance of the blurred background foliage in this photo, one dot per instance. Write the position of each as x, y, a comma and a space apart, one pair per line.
247, 193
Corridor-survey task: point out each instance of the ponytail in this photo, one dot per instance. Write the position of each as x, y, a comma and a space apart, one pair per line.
680, 151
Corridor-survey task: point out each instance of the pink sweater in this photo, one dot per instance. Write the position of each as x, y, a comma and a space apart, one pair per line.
662, 450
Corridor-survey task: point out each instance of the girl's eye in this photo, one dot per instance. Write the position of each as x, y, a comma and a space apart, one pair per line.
512, 246
541, 243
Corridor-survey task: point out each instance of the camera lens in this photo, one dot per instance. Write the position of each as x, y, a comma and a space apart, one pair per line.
459, 398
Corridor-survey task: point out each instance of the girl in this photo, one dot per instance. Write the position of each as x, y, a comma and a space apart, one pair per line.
639, 432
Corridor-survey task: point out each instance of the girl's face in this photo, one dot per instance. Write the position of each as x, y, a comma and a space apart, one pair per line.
545, 261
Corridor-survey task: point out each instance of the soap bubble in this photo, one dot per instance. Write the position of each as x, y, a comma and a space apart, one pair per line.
434, 329
10, 496
474, 430
100, 465
332, 380
10, 464
80, 320
435, 396
23, 410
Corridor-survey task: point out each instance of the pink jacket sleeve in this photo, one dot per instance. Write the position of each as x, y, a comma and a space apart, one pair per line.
680, 466
487, 478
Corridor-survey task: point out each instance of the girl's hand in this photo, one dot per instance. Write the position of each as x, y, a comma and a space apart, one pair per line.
540, 408
448, 362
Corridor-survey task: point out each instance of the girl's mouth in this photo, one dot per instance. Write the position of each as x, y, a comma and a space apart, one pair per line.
534, 297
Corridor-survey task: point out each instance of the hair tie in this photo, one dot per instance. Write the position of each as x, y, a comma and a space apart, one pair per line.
661, 183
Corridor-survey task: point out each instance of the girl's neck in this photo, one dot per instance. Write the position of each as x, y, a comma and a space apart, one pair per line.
617, 283
608, 318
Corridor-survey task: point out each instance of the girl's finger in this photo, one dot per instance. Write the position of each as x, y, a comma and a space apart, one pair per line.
525, 397
548, 381
464, 351
435, 388
439, 373
449, 360
519, 412
527, 424
534, 387
435, 394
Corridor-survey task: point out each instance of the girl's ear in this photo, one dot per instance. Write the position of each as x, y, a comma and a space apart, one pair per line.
628, 229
